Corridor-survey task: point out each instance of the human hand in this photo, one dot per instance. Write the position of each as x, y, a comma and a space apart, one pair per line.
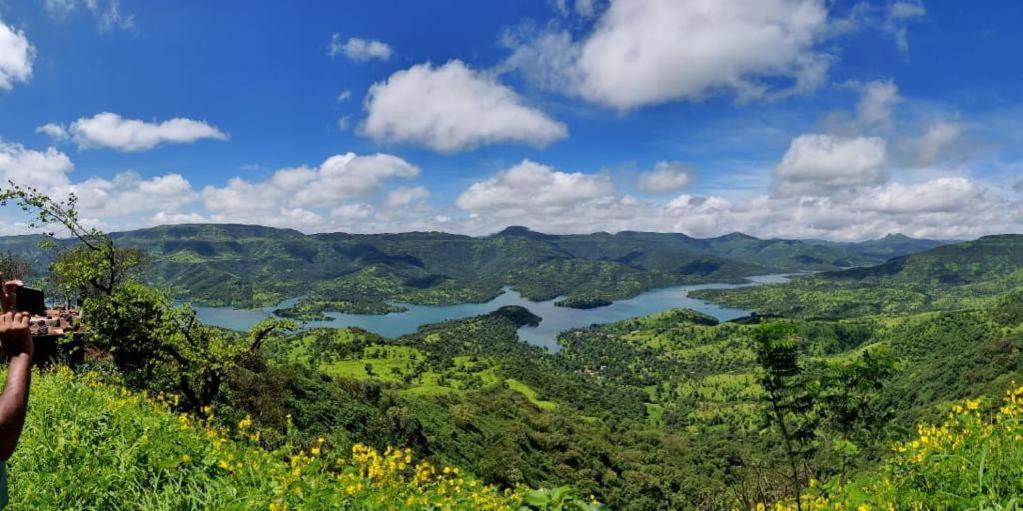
15, 336
8, 298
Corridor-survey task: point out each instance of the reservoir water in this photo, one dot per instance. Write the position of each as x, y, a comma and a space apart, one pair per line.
555, 319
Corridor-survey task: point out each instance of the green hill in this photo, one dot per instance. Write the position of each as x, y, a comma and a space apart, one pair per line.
92, 445
952, 276
245, 266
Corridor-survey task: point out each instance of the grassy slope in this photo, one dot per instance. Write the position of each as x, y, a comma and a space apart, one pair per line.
91, 446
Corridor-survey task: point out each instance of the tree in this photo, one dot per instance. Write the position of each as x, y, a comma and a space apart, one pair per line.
150, 340
96, 264
791, 398
851, 402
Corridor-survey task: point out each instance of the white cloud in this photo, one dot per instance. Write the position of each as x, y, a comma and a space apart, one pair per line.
891, 19
128, 194
877, 98
533, 188
898, 14
16, 56
359, 50
60, 9
343, 96
108, 17
165, 218
54, 131
125, 197
404, 195
453, 108
947, 194
933, 144
584, 8
295, 192
814, 163
665, 177
41, 169
342, 123
113, 131
358, 211
645, 52
549, 200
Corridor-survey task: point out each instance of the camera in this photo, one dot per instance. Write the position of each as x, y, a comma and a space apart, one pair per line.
44, 322
29, 300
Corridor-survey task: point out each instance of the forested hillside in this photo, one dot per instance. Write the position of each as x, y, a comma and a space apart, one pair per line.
248, 266
948, 277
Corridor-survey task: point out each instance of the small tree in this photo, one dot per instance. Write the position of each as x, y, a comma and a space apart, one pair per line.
851, 403
790, 398
96, 264
148, 338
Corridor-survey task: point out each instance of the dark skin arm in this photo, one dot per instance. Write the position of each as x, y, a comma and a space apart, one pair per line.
17, 345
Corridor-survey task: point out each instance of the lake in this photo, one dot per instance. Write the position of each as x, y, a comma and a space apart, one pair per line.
555, 319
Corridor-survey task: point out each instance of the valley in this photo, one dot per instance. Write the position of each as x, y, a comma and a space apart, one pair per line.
554, 318
658, 399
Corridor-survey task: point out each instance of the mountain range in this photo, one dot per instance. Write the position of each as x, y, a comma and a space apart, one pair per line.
245, 265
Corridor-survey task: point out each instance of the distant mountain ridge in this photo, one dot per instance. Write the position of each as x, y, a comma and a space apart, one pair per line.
250, 265
947, 277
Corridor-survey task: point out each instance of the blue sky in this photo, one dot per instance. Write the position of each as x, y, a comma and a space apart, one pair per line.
792, 118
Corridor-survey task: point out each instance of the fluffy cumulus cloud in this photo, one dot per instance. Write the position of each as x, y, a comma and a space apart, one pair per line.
109, 130
817, 163
299, 196
942, 195
453, 108
16, 56
129, 194
848, 178
645, 52
357, 193
665, 177
404, 195
44, 170
54, 131
359, 50
128, 197
531, 188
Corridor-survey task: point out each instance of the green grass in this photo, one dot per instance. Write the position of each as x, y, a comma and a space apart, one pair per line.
92, 446
530, 394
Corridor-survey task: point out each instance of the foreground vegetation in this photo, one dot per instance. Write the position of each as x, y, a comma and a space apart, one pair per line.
91, 445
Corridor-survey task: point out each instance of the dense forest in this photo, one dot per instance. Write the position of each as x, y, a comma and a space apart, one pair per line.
247, 266
798, 406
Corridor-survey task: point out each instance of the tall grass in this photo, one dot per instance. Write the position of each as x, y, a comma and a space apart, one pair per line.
92, 446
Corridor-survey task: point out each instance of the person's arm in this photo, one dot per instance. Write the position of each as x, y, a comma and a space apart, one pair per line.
17, 343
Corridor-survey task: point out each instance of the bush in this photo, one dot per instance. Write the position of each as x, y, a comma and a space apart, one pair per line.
972, 460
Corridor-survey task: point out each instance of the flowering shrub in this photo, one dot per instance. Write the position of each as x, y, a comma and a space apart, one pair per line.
972, 460
90, 445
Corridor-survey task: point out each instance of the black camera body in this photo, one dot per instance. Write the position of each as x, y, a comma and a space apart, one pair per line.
30, 300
